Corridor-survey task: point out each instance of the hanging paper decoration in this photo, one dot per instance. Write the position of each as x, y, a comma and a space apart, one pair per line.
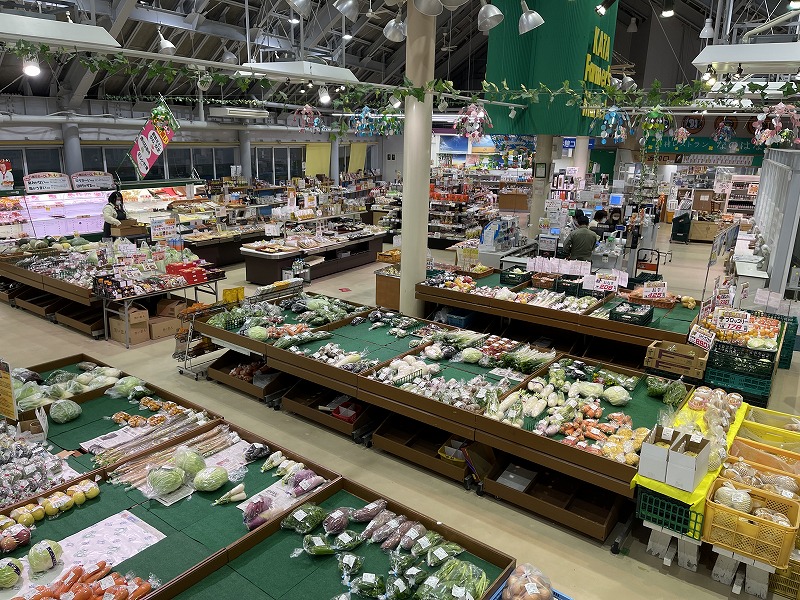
724, 133
364, 122
785, 135
471, 120
615, 125
655, 124
309, 119
681, 135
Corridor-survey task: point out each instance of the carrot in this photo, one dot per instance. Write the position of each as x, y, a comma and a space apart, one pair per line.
81, 591
116, 592
143, 589
95, 572
67, 580
596, 434
42, 592
100, 586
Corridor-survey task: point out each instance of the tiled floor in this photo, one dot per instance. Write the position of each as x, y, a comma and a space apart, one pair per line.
579, 567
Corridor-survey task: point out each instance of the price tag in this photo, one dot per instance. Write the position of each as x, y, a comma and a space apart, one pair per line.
667, 433
734, 320
345, 538
458, 591
605, 282
106, 582
368, 578
412, 534
440, 553
432, 581
317, 541
349, 560
400, 585
723, 298
531, 588
744, 290
696, 438
654, 290
424, 543
702, 337
300, 515
706, 308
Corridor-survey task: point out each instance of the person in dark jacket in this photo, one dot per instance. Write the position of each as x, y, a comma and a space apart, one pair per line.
113, 213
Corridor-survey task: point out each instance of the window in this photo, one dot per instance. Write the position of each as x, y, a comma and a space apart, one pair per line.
223, 159
17, 164
296, 159
157, 170
179, 161
42, 160
263, 165
92, 157
344, 158
203, 159
119, 163
282, 165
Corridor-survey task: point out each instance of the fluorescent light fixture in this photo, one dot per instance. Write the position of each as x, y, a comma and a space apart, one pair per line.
489, 16
669, 9
324, 95
632, 27
56, 34
394, 101
529, 19
30, 66
794, 5
601, 8
164, 45
236, 111
347, 36
707, 32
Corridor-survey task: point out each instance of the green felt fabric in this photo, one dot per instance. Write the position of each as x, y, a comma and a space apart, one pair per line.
79, 465
674, 325
383, 354
270, 566
224, 584
473, 369
401, 344
679, 313
379, 336
167, 558
93, 411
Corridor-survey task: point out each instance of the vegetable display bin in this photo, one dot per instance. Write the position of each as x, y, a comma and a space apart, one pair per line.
744, 366
762, 540
634, 314
460, 318
755, 389
508, 277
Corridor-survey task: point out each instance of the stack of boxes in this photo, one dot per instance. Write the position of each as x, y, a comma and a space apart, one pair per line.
143, 327
191, 272
675, 458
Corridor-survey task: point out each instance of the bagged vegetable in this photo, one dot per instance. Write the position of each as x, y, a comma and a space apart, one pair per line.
210, 479
617, 395
675, 393
380, 520
400, 562
256, 451
426, 542
86, 366
108, 372
165, 479
304, 519
526, 582
44, 555
10, 572
442, 552
124, 387
59, 376
315, 545
397, 588
369, 585
415, 576
656, 386
347, 540
26, 375
369, 512
349, 564
188, 460
64, 411
471, 355
337, 521
273, 461
412, 534
385, 530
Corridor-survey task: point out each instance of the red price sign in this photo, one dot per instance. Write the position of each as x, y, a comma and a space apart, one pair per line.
654, 290
723, 298
605, 282
734, 320
706, 308
702, 337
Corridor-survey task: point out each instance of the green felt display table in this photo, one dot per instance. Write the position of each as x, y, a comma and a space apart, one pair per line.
224, 584
92, 412
271, 568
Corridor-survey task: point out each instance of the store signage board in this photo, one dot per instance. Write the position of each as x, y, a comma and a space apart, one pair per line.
723, 299
162, 228
705, 309
43, 183
92, 180
622, 276
8, 408
734, 320
654, 290
702, 337
152, 139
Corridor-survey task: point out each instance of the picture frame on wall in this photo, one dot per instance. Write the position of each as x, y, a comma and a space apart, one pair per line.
540, 171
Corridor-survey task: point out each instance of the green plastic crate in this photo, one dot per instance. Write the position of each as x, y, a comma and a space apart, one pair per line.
756, 389
669, 513
737, 364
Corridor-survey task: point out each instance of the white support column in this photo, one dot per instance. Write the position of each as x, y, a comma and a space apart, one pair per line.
244, 155
420, 47
541, 187
580, 157
335, 161
73, 161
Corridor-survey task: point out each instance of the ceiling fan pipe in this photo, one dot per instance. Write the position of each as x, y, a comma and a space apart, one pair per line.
769, 24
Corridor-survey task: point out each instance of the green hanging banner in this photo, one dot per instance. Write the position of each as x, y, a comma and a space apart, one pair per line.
574, 44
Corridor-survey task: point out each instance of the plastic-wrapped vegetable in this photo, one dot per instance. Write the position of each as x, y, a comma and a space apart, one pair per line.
347, 540
304, 519
190, 461
412, 534
255, 452
210, 479
442, 552
85, 378
138, 392
415, 576
471, 355
400, 562
380, 519
59, 376
86, 366
526, 582
306, 485
64, 411
397, 588
349, 564
273, 461
675, 393
369, 585
656, 386
26, 375
387, 529
31, 402
393, 540
423, 544
124, 387
10, 572
44, 555
109, 372
617, 395
337, 521
369, 512
315, 545
165, 479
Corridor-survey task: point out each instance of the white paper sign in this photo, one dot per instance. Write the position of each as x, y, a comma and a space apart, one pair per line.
92, 180
622, 277
702, 337
606, 282
734, 320
39, 183
654, 290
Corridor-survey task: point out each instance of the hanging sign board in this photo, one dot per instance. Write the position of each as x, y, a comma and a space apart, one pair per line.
702, 337
8, 408
734, 320
41, 183
152, 139
654, 290
92, 180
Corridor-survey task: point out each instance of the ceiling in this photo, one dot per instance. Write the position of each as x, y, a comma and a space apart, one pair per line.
206, 28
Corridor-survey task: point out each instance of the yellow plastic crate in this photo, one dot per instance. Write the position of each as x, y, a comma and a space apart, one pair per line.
748, 535
773, 418
771, 436
750, 450
786, 582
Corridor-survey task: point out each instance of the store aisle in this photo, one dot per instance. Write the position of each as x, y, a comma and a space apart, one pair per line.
578, 566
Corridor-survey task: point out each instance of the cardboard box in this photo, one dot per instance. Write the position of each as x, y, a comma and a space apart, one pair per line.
653, 459
161, 327
685, 472
684, 355
136, 313
138, 332
128, 230
169, 307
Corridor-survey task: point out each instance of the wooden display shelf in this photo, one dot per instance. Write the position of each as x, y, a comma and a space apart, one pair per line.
220, 369
387, 291
39, 302
8, 297
583, 507
229, 338
418, 444
82, 318
305, 398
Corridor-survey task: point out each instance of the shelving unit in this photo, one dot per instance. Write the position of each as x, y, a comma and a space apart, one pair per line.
57, 214
743, 194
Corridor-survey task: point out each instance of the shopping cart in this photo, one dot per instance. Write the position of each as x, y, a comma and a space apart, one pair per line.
648, 261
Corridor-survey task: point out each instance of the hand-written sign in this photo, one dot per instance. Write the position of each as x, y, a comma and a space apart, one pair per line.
734, 320
702, 337
606, 282
38, 183
654, 290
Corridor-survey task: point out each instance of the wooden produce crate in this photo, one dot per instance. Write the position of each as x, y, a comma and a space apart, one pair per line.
82, 318
475, 274
39, 302
681, 359
387, 291
220, 370
307, 399
754, 537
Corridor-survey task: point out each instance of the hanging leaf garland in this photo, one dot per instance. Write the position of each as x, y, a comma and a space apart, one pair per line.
655, 124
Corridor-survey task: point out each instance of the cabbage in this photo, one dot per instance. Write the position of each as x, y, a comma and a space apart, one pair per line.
190, 461
73, 387
32, 402
107, 372
58, 390
165, 480
27, 389
10, 571
124, 386
63, 411
59, 376
471, 355
258, 333
210, 479
617, 395
44, 555
85, 378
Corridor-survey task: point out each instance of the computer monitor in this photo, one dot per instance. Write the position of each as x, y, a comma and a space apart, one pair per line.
555, 231
598, 207
616, 199
620, 227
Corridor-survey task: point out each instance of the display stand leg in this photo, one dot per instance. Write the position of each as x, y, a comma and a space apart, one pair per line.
688, 555
658, 544
105, 318
672, 550
738, 581
724, 569
127, 307
756, 582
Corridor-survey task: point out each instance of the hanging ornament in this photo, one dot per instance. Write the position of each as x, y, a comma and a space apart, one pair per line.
681, 135
655, 123
364, 122
309, 119
471, 120
785, 122
614, 125
724, 133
